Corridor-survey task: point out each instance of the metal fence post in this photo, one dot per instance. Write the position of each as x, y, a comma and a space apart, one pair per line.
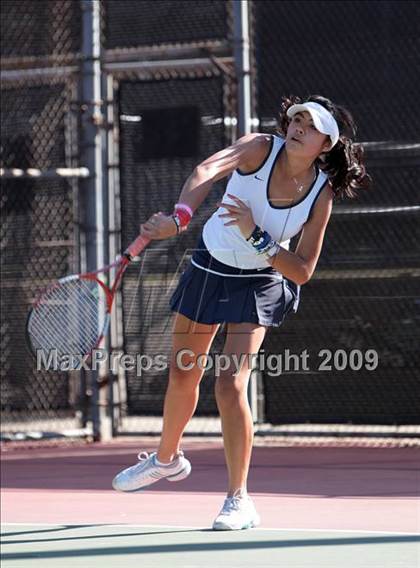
92, 196
242, 65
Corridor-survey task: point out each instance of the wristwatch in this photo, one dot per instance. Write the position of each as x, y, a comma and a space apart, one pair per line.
256, 235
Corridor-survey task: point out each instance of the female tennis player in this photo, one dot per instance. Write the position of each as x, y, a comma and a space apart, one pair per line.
244, 275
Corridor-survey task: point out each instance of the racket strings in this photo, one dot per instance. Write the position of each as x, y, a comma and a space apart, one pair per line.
69, 318
79, 306
55, 325
65, 322
53, 316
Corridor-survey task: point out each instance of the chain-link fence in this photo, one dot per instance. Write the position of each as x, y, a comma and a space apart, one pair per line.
364, 294
135, 23
40, 42
172, 114
39, 33
155, 160
169, 100
44, 216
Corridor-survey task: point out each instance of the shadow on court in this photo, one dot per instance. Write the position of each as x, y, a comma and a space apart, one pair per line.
197, 543
14, 541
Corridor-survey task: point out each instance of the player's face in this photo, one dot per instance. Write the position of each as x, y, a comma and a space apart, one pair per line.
303, 138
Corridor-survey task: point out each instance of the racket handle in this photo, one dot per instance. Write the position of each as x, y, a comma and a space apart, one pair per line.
136, 246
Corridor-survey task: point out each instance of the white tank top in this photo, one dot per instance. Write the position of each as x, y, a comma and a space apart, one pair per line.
227, 244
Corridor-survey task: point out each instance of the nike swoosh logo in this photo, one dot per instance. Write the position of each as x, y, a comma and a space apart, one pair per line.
260, 179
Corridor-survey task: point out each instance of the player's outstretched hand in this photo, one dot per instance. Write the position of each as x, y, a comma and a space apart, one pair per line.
159, 226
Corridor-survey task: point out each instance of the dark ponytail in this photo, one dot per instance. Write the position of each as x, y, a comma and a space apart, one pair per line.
344, 163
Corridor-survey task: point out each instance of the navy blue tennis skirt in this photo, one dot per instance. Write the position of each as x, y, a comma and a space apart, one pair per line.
232, 295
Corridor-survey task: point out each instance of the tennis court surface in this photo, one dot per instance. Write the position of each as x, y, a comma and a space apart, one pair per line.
320, 507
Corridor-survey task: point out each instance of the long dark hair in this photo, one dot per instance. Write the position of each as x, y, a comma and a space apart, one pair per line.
344, 163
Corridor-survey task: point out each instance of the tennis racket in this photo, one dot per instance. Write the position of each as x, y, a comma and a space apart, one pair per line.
72, 315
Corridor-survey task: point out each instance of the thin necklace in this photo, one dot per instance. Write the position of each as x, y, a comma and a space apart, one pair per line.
301, 186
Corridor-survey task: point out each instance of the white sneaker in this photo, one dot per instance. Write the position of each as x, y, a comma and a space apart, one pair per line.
147, 471
238, 512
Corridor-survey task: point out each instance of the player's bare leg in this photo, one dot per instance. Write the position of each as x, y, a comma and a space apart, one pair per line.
232, 401
183, 388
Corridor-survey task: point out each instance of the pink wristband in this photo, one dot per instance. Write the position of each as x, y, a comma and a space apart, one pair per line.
183, 217
184, 207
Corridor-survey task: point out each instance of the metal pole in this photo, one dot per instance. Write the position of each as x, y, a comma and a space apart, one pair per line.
92, 198
59, 173
117, 395
242, 65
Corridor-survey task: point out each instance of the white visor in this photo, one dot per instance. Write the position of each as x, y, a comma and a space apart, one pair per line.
323, 120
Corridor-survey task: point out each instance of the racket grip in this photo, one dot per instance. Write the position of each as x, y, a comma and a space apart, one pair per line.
136, 246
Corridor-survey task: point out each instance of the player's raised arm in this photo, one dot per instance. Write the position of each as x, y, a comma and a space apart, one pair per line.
245, 153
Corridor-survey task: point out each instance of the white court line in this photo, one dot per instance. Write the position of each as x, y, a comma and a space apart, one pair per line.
104, 525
